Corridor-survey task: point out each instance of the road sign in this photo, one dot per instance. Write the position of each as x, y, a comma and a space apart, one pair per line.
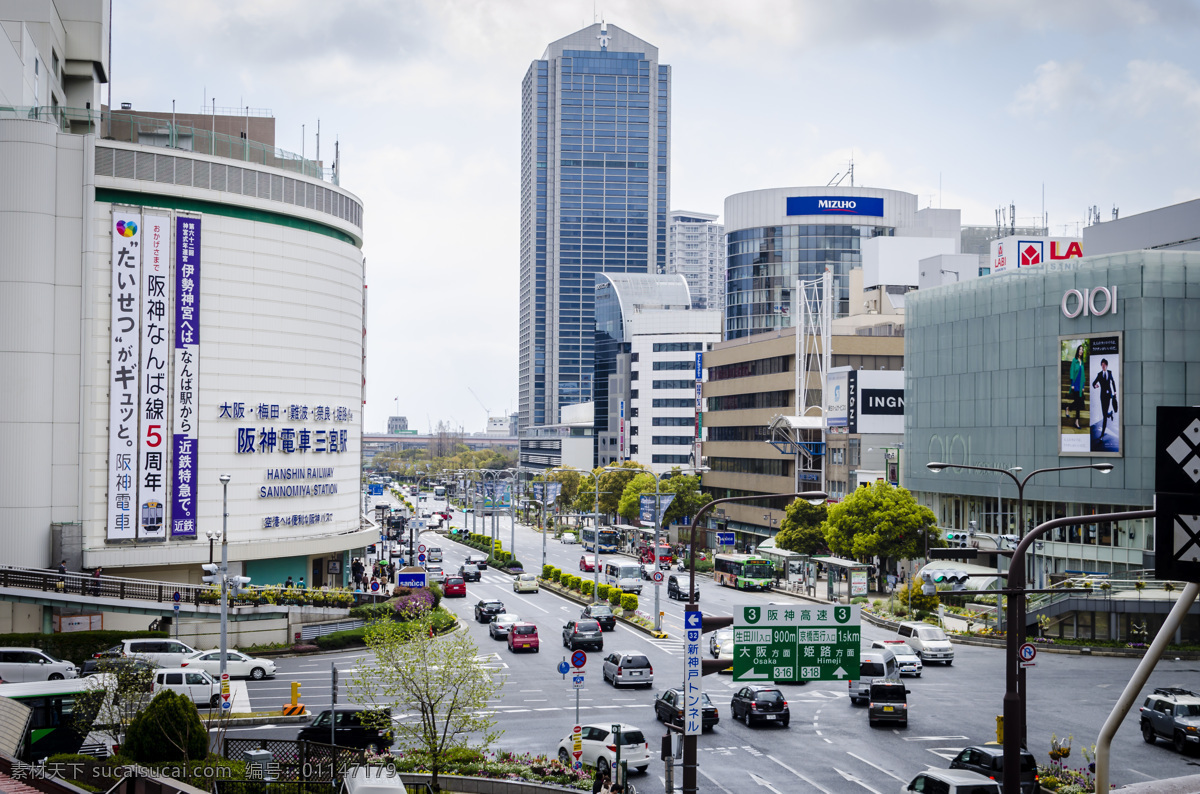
421, 558
563, 667
578, 660
1028, 653
224, 676
374, 587
1177, 494
724, 538
796, 643
177, 608
226, 705
176, 596
578, 763
658, 577
421, 547
577, 743
577, 681
411, 576
693, 709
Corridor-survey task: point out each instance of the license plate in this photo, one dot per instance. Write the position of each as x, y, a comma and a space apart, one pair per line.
888, 708
635, 673
769, 716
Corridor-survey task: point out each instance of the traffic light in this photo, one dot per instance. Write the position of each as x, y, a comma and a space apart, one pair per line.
957, 539
238, 583
214, 573
929, 582
957, 580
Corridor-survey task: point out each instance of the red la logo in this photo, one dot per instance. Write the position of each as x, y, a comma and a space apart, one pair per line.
1073, 250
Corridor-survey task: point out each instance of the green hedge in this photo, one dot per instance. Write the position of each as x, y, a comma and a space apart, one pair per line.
602, 591
374, 611
614, 596
353, 638
555, 574
629, 603
76, 646
585, 587
546, 569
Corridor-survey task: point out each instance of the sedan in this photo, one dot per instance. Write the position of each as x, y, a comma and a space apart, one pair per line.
525, 583
906, 658
470, 573
588, 563
602, 614
500, 624
583, 633
760, 703
486, 610
599, 747
238, 665
668, 707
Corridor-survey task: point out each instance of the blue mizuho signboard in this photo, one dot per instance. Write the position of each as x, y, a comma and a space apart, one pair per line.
835, 205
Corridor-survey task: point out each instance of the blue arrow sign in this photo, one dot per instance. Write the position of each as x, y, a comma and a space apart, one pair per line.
563, 667
691, 620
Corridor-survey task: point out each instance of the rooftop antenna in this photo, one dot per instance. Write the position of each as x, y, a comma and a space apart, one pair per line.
1116, 212
1012, 220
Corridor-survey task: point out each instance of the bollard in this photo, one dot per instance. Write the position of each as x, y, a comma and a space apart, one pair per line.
295, 707
999, 729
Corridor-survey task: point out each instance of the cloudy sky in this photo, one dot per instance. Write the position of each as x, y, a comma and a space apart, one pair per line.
966, 104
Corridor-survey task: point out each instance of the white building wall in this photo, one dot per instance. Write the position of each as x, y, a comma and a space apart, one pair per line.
696, 249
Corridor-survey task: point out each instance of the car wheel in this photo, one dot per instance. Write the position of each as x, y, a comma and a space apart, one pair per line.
870, 723
602, 766
537, 648
642, 769
1180, 743
904, 724
56, 677
786, 723
1148, 732
564, 757
258, 674
918, 675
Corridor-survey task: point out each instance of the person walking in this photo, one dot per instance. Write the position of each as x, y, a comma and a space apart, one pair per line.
289, 582
1108, 394
96, 580
62, 577
602, 783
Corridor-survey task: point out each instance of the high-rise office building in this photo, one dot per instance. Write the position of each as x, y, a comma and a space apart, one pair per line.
595, 182
696, 250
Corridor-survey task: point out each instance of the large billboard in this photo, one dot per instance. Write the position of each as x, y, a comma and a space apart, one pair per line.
1090, 398
865, 401
835, 205
124, 363
1011, 253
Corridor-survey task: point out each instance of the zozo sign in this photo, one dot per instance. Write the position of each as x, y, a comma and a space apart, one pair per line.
1085, 302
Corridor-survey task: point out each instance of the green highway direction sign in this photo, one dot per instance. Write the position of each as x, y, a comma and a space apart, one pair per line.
796, 643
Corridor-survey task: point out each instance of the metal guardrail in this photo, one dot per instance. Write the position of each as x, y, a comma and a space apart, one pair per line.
310, 631
85, 585
1102, 587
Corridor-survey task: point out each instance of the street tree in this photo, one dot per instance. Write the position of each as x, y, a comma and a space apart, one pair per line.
883, 521
440, 680
119, 692
801, 530
686, 487
612, 485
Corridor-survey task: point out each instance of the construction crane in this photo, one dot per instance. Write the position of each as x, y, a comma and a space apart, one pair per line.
487, 413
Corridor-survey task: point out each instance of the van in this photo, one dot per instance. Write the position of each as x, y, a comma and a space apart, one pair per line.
19, 665
873, 665
929, 642
434, 554
195, 685
625, 575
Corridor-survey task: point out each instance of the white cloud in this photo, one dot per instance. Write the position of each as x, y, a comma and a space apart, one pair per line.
1055, 85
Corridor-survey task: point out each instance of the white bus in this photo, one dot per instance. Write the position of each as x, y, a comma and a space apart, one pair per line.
439, 492
623, 574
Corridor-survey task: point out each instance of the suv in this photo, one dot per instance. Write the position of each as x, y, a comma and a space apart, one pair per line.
988, 759
930, 642
195, 685
1172, 713
602, 614
348, 730
599, 747
952, 781
872, 666
633, 669
760, 702
677, 589
583, 634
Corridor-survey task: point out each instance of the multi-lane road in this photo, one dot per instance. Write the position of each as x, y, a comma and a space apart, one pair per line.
828, 746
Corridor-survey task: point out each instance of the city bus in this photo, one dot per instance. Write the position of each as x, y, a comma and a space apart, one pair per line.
439, 492
608, 539
743, 571
56, 721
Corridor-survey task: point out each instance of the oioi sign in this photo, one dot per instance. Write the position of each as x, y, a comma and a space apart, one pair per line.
796, 643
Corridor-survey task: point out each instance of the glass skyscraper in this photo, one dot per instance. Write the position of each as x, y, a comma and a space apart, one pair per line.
595, 183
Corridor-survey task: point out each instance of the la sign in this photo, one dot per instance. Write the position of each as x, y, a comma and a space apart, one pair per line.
1076, 302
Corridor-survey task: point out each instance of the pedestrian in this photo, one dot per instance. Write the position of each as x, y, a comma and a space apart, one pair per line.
289, 582
62, 577
302, 585
96, 580
617, 788
601, 784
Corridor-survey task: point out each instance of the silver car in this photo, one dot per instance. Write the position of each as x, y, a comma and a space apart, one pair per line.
500, 624
720, 646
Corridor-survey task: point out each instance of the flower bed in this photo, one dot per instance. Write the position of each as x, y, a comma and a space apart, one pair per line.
500, 765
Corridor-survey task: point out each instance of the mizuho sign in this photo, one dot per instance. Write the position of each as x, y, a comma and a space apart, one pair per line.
1076, 302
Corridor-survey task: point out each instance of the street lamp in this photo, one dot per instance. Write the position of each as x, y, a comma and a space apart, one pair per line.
657, 529
1014, 674
224, 478
689, 740
596, 530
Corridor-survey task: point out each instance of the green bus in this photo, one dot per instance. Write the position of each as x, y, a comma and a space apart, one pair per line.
743, 571
56, 723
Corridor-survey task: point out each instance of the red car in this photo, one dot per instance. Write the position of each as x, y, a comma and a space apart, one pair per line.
523, 636
586, 563
454, 586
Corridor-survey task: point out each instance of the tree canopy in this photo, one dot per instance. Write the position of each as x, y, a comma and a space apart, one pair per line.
880, 520
688, 496
802, 529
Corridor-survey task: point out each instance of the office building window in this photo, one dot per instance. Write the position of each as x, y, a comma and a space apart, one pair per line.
855, 455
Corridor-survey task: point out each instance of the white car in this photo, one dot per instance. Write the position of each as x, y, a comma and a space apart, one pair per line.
32, 664
237, 664
525, 583
596, 740
435, 573
195, 685
906, 658
568, 538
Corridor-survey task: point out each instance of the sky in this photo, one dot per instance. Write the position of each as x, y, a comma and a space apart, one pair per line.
968, 105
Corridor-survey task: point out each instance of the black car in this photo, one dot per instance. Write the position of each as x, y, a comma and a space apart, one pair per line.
760, 703
583, 634
602, 614
677, 589
105, 663
668, 707
469, 573
486, 610
989, 760
349, 730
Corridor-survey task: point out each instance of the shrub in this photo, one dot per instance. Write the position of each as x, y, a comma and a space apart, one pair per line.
352, 638
602, 591
858, 600
415, 605
546, 569
704, 566
515, 563
926, 603
629, 603
585, 587
614, 596
369, 612
555, 574
575, 582
168, 730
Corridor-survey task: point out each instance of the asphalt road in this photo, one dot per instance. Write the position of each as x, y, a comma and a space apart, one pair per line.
828, 746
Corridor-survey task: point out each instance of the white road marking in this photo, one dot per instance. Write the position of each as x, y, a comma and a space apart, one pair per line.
935, 738
713, 780
762, 781
852, 779
797, 774
948, 753
877, 766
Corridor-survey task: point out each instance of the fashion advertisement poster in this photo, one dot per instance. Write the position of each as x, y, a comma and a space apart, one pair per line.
1090, 395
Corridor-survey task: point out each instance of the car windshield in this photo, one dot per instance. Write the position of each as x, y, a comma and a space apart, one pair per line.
761, 570
599, 611
322, 719
506, 617
525, 629
632, 737
703, 697
497, 605
931, 633
528, 577
454, 580
869, 669
1188, 710
587, 625
769, 696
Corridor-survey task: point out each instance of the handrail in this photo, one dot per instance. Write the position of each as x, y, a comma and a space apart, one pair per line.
87, 585
119, 125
